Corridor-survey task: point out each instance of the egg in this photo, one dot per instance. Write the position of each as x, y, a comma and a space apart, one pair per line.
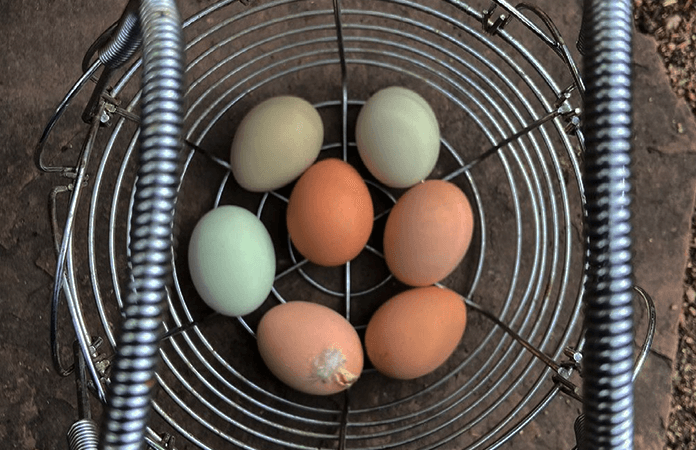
415, 332
330, 213
231, 260
310, 347
428, 232
398, 137
275, 142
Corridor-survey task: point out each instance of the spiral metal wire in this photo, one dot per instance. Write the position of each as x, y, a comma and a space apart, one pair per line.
83, 435
125, 39
608, 366
151, 233
509, 139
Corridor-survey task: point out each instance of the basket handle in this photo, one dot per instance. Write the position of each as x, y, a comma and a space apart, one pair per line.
128, 408
608, 355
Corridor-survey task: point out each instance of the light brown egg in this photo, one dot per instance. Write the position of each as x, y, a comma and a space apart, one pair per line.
310, 347
330, 213
414, 332
428, 233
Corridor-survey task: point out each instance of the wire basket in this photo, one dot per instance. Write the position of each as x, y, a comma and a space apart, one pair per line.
509, 119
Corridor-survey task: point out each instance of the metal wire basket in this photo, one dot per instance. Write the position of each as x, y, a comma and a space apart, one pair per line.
511, 139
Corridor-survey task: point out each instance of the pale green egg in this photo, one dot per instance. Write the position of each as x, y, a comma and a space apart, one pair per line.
231, 260
398, 137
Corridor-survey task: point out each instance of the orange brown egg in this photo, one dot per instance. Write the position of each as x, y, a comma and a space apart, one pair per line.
415, 332
330, 213
428, 232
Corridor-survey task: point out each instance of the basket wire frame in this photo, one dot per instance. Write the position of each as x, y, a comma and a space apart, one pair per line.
532, 137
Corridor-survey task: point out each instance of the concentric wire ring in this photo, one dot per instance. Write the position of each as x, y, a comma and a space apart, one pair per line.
525, 265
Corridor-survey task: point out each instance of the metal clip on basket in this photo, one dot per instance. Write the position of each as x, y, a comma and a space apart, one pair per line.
552, 240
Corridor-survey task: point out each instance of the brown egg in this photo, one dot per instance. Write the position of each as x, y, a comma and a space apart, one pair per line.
330, 213
428, 233
414, 332
310, 347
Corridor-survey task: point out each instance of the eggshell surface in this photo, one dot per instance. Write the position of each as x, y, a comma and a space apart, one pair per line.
310, 347
428, 232
231, 260
330, 213
415, 332
275, 142
398, 137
